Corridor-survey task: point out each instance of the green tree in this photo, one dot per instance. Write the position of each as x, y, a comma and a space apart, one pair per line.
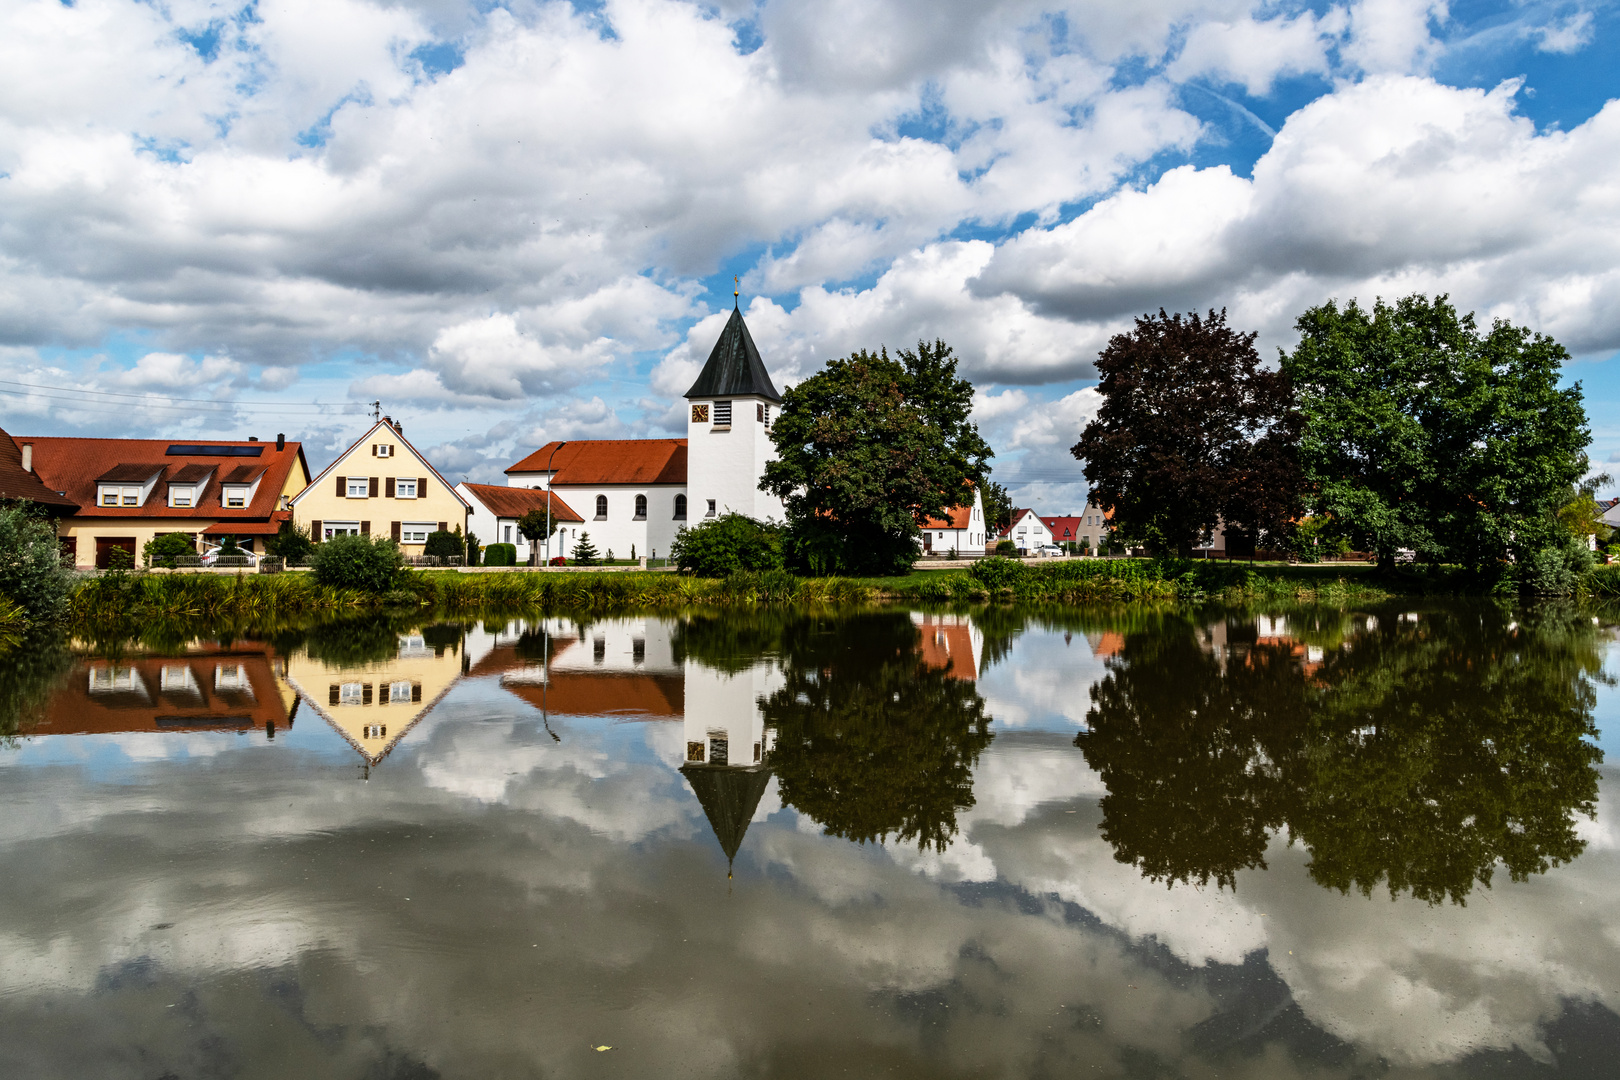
31, 570
870, 742
998, 507
168, 549
442, 543
585, 553
1422, 432
1191, 432
722, 546
535, 526
868, 449
369, 564
291, 544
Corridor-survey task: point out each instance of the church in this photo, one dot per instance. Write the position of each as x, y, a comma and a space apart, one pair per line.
634, 495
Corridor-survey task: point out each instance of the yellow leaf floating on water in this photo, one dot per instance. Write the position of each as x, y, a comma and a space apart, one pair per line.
599, 1049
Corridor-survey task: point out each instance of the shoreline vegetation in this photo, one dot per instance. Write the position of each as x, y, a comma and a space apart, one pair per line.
99, 604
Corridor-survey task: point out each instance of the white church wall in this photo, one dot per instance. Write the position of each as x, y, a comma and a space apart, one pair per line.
724, 707
725, 464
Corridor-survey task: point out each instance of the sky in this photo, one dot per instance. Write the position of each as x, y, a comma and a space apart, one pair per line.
513, 222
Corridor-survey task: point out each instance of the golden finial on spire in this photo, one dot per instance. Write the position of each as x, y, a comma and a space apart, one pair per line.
736, 290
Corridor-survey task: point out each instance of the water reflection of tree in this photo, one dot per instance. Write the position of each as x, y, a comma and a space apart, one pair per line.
30, 674
869, 741
1420, 756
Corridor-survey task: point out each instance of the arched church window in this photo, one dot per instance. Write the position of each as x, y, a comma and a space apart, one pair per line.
601, 507
641, 507
680, 508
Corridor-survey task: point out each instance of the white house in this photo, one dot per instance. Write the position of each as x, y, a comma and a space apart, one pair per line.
962, 530
636, 494
496, 510
1027, 531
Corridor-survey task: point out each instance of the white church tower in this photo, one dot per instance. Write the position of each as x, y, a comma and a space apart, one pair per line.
730, 411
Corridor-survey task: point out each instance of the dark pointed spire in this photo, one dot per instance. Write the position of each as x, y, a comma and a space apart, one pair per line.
729, 797
734, 368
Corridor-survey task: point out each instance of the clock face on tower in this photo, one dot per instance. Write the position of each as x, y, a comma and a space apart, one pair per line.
700, 414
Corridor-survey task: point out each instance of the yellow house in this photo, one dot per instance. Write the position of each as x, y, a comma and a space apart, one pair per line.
380, 486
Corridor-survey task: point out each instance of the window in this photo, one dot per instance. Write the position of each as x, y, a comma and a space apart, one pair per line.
405, 488
719, 748
601, 508
398, 692
680, 508
351, 693
376, 731
180, 497
508, 534
113, 679
382, 450
109, 498
638, 650
132, 497
722, 414
710, 512
415, 532
599, 650
641, 508
359, 487
236, 496
700, 414
330, 529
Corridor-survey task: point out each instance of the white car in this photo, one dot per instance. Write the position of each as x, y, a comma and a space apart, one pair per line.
1046, 551
210, 557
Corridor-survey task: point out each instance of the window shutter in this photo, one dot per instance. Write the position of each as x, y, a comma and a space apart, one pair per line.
442, 528
421, 487
365, 528
315, 530
373, 449
332, 694
341, 490
416, 691
395, 531
372, 490
388, 487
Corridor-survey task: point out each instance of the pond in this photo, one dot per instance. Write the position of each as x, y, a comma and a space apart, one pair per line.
1132, 842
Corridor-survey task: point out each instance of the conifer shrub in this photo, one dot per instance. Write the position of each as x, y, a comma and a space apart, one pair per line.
585, 553
500, 555
370, 564
443, 544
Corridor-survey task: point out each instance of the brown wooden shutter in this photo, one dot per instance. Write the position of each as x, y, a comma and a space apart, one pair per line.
341, 490
416, 691
373, 449
388, 487
421, 487
372, 491
442, 528
365, 528
332, 694
395, 532
315, 530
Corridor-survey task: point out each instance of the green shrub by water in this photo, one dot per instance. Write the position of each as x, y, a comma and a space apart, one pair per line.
365, 563
32, 576
726, 545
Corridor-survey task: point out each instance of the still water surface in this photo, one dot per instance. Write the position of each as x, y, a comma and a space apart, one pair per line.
1188, 843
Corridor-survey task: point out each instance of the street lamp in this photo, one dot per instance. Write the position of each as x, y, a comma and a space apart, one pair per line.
551, 523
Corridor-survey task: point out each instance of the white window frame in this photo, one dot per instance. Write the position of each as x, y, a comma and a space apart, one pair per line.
362, 482
400, 483
351, 693
182, 497
330, 529
234, 496
409, 530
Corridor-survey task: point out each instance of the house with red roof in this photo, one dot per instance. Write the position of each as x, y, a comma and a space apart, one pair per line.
20, 483
496, 510
1029, 530
130, 491
962, 530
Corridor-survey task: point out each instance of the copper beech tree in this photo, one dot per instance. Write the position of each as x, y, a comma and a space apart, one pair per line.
1192, 433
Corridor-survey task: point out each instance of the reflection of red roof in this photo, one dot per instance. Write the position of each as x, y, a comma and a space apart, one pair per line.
948, 648
611, 461
1107, 643
510, 502
168, 694
15, 483
74, 465
574, 693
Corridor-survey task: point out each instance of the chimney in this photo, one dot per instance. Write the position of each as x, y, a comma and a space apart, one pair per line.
281, 441
399, 429
28, 456
253, 438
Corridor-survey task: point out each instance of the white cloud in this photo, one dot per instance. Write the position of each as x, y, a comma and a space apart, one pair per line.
1568, 36
1256, 52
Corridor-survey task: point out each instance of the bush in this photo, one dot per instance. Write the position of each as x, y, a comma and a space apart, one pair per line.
500, 555
444, 544
168, 549
1006, 549
472, 549
370, 564
31, 572
996, 572
727, 545
1557, 569
291, 543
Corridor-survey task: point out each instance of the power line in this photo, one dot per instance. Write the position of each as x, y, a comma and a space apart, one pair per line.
146, 396
73, 399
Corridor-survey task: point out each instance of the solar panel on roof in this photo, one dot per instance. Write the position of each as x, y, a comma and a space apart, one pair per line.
192, 450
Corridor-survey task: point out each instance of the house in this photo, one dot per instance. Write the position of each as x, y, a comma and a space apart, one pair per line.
962, 530
1026, 530
496, 510
638, 493
129, 491
626, 493
1092, 527
20, 483
383, 485
1610, 512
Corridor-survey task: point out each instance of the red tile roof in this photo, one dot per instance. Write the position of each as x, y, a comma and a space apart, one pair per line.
959, 518
610, 461
1064, 528
511, 502
74, 465
15, 483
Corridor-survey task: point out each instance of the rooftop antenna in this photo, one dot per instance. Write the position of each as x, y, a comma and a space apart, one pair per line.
736, 291
376, 411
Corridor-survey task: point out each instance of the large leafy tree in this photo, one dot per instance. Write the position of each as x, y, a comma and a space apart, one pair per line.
1423, 432
1192, 432
868, 449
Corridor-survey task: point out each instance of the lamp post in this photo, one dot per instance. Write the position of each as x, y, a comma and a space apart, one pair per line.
551, 523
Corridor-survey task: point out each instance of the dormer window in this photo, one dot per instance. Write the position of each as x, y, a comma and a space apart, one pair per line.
234, 496
118, 495
182, 496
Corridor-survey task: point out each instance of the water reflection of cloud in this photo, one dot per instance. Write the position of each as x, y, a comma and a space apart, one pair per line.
1044, 683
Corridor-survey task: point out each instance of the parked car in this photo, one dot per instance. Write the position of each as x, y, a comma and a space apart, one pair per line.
1047, 551
210, 557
